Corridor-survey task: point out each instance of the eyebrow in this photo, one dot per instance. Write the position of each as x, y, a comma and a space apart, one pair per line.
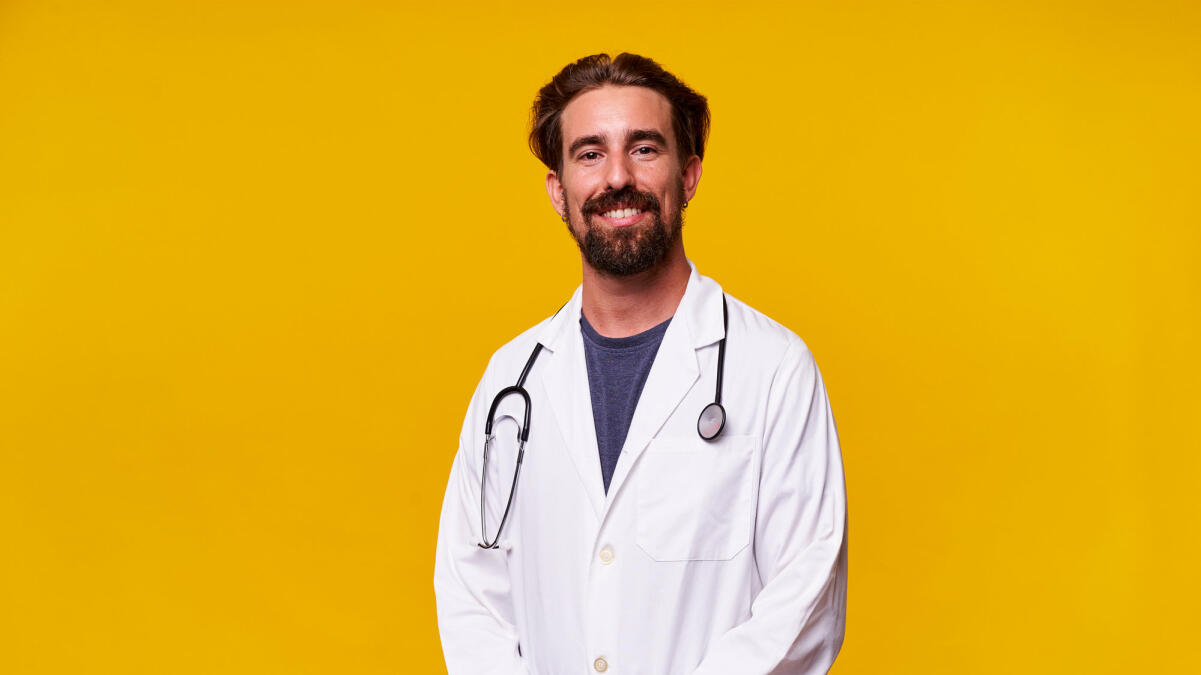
646, 135
594, 139
632, 136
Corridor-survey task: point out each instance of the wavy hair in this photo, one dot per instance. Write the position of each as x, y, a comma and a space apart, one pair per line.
689, 110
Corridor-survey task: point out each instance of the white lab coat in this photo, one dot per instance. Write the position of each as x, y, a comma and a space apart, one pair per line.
705, 558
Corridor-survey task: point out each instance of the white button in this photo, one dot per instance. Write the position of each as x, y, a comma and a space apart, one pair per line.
600, 664
606, 555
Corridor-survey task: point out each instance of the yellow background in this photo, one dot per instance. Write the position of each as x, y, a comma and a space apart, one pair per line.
254, 258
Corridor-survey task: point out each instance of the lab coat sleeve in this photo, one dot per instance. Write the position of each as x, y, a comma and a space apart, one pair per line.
798, 619
471, 584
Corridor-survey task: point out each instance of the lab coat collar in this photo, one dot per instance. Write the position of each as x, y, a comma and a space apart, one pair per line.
700, 309
697, 323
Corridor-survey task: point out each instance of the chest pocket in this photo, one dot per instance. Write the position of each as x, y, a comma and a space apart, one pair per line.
695, 498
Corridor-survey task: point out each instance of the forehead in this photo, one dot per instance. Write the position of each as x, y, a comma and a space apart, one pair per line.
611, 110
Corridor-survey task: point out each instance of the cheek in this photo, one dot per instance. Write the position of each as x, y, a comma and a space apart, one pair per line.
576, 202
575, 192
659, 179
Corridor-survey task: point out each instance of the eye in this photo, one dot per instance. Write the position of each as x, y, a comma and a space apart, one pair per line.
649, 150
590, 155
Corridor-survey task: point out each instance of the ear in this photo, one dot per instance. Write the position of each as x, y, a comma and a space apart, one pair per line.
692, 176
554, 189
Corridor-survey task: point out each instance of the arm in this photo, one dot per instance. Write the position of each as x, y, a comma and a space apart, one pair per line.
798, 619
471, 584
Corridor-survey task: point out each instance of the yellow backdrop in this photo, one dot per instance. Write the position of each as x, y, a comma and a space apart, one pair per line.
254, 257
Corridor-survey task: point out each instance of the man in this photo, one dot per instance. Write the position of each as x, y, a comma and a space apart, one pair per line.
642, 536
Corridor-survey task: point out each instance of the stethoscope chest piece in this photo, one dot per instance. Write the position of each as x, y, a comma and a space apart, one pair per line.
711, 421
713, 416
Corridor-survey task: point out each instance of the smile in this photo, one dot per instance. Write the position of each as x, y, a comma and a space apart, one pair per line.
622, 217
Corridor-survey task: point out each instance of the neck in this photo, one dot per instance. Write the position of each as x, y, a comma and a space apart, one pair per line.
625, 306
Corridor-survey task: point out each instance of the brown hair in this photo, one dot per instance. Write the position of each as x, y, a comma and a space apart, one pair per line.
689, 110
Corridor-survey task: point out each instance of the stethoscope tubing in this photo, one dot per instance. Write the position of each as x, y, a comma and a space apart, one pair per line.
523, 436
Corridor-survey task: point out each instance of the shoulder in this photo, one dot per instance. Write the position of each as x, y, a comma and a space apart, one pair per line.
503, 369
772, 344
506, 362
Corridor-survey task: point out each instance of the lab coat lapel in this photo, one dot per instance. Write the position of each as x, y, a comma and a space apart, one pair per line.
697, 323
565, 385
672, 375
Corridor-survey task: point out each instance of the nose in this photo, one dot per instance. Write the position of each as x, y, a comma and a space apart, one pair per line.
619, 173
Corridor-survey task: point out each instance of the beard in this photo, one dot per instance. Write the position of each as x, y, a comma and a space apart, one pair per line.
623, 251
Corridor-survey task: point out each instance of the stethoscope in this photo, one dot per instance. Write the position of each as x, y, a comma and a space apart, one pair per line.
709, 425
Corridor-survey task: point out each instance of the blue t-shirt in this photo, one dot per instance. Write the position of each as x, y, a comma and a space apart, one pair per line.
617, 370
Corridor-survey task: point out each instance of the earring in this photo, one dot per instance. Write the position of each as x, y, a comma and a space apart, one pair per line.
685, 204
563, 218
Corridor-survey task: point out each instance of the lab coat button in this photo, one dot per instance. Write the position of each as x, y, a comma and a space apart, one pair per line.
606, 556
600, 664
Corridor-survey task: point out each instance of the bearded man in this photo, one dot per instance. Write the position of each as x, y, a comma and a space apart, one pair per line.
650, 480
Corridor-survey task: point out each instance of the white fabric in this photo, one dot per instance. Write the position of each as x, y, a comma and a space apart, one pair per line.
705, 558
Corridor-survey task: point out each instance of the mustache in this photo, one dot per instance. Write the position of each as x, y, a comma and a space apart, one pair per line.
626, 197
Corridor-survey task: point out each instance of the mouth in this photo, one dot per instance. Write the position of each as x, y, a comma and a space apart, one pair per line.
622, 217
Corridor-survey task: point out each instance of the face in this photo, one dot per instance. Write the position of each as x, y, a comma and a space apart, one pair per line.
622, 184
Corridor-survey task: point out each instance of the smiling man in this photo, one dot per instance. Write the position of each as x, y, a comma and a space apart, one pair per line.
648, 481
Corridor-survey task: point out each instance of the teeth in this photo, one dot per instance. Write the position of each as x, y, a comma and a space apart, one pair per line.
621, 213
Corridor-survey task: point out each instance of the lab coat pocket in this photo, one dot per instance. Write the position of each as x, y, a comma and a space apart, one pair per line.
696, 498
